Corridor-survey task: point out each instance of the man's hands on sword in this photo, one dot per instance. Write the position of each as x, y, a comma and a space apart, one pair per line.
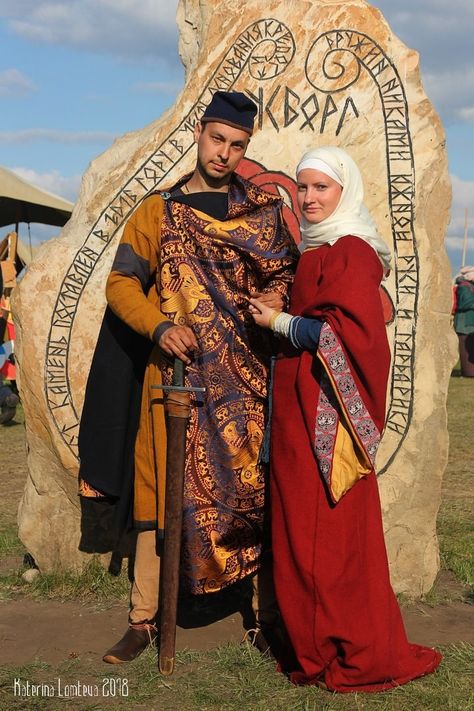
179, 341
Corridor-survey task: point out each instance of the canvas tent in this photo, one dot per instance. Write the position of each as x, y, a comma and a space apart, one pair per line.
14, 250
22, 202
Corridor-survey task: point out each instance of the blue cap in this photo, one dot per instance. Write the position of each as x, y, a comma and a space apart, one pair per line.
232, 108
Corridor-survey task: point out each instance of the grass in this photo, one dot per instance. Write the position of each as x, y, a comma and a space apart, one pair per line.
94, 583
236, 677
10, 544
455, 518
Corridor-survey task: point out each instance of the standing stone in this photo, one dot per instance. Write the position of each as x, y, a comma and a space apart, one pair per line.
322, 72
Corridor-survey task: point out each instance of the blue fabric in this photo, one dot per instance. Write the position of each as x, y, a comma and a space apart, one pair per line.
5, 391
233, 108
264, 456
131, 264
160, 329
304, 332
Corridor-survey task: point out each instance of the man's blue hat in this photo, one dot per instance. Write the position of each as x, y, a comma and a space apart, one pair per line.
232, 108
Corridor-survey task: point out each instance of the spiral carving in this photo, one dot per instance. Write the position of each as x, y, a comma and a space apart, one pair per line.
264, 50
340, 68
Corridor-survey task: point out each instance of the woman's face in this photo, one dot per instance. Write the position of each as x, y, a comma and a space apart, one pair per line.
318, 194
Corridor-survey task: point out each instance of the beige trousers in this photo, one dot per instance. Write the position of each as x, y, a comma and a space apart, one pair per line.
144, 594
146, 573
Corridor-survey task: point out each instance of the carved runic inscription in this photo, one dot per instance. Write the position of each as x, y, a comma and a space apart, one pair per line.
261, 54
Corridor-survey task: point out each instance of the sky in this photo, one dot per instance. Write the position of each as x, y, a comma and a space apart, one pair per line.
76, 75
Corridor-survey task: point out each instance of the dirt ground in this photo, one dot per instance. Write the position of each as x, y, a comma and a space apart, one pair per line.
52, 631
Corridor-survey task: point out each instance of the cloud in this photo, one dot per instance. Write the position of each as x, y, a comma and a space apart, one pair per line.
434, 26
463, 192
124, 28
35, 135
455, 102
53, 182
467, 114
441, 32
15, 83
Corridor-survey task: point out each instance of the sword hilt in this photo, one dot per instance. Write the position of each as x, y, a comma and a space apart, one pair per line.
178, 373
178, 381
177, 388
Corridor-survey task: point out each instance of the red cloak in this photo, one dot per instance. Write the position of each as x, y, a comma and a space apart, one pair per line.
331, 569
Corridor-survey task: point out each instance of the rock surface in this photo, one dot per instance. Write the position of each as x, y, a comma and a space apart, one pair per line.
322, 72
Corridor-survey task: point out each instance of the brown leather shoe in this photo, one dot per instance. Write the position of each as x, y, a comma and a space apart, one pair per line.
271, 641
257, 639
135, 640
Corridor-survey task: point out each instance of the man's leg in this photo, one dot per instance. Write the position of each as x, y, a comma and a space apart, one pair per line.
264, 602
267, 634
144, 595
143, 603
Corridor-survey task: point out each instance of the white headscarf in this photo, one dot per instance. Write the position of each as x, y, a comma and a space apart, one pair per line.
351, 216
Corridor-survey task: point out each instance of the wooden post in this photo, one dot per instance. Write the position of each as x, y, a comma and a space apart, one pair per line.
464, 246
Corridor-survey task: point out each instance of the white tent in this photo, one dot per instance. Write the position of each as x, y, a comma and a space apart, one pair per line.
22, 202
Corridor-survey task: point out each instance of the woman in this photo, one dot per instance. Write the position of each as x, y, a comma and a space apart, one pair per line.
331, 571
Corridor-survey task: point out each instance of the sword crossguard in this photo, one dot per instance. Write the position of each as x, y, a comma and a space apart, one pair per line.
178, 388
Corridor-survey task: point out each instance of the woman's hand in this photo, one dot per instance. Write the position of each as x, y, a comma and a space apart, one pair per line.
272, 299
261, 312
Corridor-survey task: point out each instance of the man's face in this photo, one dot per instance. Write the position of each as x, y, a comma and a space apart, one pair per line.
220, 150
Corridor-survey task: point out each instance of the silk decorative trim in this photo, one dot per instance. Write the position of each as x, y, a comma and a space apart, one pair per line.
346, 438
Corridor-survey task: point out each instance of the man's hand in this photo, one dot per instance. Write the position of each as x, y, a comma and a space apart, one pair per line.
178, 341
272, 299
262, 313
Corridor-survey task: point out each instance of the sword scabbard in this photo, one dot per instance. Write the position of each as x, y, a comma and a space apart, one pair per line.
178, 411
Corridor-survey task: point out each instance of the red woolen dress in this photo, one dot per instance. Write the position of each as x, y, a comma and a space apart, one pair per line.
330, 562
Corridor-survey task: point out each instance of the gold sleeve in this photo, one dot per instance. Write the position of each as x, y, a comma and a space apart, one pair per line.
131, 289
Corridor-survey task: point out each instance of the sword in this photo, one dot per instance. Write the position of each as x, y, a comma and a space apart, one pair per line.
178, 412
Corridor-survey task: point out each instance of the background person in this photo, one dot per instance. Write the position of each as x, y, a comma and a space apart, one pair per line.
464, 319
8, 401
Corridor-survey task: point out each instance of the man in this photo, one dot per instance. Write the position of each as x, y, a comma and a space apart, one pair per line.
188, 262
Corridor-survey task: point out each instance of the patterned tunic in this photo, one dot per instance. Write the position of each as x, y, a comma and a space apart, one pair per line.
203, 271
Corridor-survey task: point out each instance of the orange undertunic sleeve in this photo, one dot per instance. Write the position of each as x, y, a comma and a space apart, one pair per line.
131, 289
